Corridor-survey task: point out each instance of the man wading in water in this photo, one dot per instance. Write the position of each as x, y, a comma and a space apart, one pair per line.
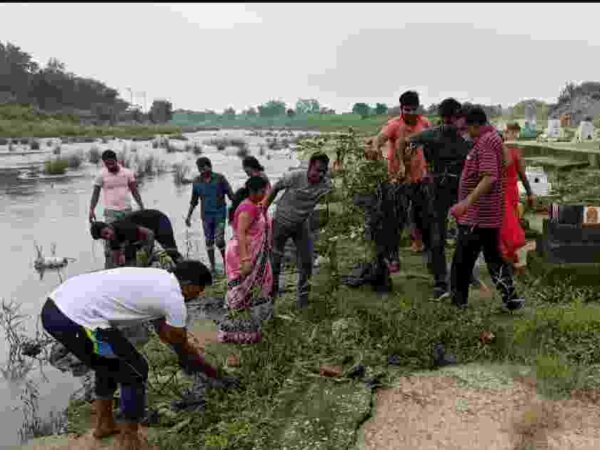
211, 188
405, 176
82, 314
116, 183
303, 190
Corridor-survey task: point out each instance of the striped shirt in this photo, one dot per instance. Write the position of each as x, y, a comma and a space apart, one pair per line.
486, 158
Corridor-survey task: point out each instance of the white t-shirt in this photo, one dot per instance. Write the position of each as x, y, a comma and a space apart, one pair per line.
120, 297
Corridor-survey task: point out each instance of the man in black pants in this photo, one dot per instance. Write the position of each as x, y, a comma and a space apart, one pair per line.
303, 189
479, 213
445, 151
143, 226
82, 314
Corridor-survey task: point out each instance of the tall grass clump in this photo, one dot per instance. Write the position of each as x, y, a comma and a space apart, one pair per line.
75, 160
34, 145
242, 152
181, 173
56, 166
94, 155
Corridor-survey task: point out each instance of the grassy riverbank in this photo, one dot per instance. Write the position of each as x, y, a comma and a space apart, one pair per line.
24, 122
286, 403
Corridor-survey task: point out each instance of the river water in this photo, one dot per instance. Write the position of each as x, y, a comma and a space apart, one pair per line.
54, 210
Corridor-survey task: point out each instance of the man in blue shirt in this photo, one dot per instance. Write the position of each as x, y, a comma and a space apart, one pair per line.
211, 188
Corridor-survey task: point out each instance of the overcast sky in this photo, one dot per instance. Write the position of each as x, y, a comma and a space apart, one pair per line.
217, 55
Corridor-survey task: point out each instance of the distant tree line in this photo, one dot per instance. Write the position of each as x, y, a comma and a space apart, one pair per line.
51, 88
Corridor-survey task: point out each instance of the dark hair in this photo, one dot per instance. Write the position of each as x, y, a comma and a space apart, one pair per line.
203, 161
252, 163
319, 156
476, 116
409, 98
514, 126
108, 154
449, 107
96, 228
192, 272
253, 184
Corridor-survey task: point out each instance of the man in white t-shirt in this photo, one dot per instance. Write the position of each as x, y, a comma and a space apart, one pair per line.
116, 183
83, 314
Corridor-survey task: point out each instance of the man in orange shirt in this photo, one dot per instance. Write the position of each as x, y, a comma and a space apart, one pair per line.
405, 172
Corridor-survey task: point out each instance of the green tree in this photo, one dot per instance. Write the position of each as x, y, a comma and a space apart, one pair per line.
161, 111
362, 109
381, 109
273, 108
229, 112
308, 106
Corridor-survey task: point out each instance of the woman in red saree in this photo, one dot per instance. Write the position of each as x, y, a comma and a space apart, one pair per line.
248, 267
512, 236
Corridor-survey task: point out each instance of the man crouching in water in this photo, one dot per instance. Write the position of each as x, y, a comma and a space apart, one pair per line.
83, 313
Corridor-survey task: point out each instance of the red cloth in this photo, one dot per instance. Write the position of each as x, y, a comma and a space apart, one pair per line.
512, 236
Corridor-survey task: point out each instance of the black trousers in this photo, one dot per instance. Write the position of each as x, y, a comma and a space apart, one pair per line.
129, 369
471, 241
443, 194
303, 240
420, 196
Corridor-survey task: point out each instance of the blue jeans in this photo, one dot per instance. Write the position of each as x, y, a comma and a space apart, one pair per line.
129, 369
214, 231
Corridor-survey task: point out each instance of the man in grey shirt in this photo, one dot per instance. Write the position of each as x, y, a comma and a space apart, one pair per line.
303, 190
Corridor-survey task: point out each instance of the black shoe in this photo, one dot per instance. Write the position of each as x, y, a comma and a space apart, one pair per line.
515, 304
440, 294
441, 358
459, 305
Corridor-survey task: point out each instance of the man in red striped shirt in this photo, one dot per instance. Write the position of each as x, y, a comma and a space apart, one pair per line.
479, 213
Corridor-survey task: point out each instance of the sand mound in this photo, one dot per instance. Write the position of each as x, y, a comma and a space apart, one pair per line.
433, 413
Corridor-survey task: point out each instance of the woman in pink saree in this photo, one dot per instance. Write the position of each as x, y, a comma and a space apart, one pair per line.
248, 267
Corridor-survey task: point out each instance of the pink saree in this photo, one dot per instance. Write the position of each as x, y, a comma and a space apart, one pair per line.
248, 297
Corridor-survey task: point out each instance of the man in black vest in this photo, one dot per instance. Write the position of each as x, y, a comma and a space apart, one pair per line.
445, 151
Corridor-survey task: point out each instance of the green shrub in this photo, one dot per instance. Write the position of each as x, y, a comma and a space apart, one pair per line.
75, 160
571, 330
56, 166
94, 155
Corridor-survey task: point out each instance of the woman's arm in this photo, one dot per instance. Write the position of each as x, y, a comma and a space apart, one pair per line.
523, 176
243, 223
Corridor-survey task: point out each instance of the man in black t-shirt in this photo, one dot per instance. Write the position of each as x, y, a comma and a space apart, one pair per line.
137, 230
445, 151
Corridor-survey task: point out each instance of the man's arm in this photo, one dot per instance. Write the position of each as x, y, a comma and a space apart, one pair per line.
189, 357
228, 190
135, 193
282, 184
376, 143
94, 201
484, 186
193, 203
